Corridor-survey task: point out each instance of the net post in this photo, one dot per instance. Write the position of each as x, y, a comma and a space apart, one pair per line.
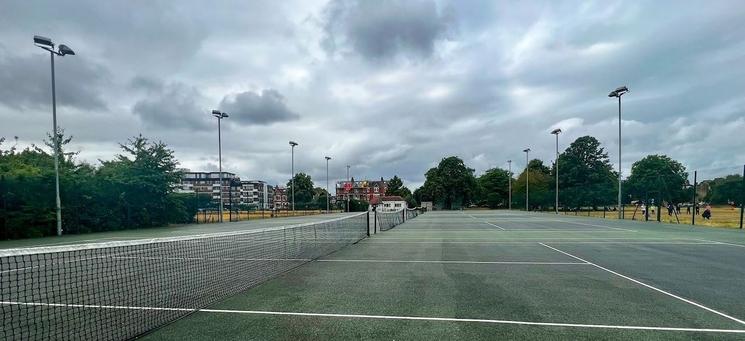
695, 188
368, 223
375, 220
742, 199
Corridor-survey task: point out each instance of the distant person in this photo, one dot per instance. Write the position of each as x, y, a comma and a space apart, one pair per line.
669, 209
677, 209
688, 209
644, 210
707, 213
698, 209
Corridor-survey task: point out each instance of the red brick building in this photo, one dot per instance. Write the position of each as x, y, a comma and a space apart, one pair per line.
364, 190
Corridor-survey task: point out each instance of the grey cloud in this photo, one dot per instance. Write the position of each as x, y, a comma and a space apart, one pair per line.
26, 82
175, 105
251, 108
383, 29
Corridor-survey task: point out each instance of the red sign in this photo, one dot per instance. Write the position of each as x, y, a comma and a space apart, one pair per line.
348, 186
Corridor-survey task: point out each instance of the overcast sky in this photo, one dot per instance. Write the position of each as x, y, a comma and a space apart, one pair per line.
389, 87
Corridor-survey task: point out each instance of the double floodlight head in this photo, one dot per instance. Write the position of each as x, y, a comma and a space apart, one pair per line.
220, 115
293, 143
556, 131
47, 44
328, 158
526, 150
619, 92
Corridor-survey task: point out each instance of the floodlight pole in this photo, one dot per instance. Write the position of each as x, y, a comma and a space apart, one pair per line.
327, 184
620, 91
62, 50
292, 181
220, 115
556, 204
620, 181
350, 188
527, 179
509, 184
55, 141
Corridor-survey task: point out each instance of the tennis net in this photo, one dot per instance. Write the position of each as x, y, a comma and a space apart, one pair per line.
391, 219
119, 290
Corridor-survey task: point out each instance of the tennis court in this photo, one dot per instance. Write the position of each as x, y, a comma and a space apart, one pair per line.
442, 275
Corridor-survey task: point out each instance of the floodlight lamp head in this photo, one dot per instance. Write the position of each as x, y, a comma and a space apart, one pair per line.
526, 150
620, 91
328, 158
293, 143
65, 51
556, 131
43, 42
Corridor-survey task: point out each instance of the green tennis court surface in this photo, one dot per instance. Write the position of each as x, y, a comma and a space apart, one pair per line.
498, 275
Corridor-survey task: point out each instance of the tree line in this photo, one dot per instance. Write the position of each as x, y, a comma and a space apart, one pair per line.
586, 180
133, 190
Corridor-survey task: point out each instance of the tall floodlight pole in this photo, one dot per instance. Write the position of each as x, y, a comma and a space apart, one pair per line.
292, 181
327, 184
62, 50
220, 116
618, 93
509, 184
556, 132
350, 188
527, 179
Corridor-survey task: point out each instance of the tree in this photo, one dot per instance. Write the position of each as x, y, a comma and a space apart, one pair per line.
142, 178
540, 186
494, 187
658, 176
726, 190
304, 193
451, 184
586, 176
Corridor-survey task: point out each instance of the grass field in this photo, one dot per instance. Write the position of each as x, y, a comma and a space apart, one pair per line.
485, 275
722, 216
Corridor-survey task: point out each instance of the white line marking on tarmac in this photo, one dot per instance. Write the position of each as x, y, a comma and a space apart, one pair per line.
721, 243
387, 317
486, 222
649, 286
448, 262
557, 242
586, 224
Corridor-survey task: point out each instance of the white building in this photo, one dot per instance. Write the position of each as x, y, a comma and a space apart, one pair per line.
388, 203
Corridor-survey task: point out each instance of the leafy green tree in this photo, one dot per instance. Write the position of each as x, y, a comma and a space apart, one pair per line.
304, 191
358, 205
494, 187
133, 190
586, 176
726, 190
657, 176
541, 194
451, 184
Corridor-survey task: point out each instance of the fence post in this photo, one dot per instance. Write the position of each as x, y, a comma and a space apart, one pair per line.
695, 188
742, 194
368, 223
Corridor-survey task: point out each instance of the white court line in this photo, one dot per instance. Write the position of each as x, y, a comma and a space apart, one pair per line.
650, 287
215, 258
387, 317
721, 243
565, 242
586, 224
486, 222
448, 262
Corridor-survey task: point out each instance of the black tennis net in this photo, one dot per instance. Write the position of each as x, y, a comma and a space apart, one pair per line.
387, 220
119, 290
